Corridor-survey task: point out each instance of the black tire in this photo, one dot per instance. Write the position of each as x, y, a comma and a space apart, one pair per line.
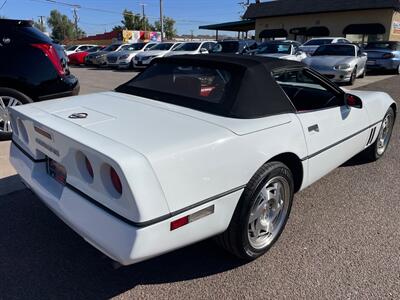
236, 238
372, 153
22, 98
397, 71
364, 73
353, 76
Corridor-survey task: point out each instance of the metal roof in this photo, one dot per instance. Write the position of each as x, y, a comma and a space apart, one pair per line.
243, 25
296, 7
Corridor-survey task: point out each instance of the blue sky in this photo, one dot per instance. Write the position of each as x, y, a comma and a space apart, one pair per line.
97, 16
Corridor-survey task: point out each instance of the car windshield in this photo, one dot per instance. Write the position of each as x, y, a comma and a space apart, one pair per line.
162, 46
133, 47
187, 84
383, 46
274, 48
318, 42
187, 47
335, 50
226, 47
94, 49
71, 48
112, 47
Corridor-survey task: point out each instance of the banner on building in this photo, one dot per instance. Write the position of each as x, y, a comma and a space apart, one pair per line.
396, 27
135, 36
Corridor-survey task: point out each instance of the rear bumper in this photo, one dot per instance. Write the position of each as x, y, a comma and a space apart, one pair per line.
383, 64
117, 239
68, 86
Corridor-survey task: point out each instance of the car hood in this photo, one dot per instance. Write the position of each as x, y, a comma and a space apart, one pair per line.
171, 53
153, 53
328, 61
120, 53
98, 53
276, 55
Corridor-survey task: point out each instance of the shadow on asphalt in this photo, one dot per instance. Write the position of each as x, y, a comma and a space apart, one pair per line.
42, 258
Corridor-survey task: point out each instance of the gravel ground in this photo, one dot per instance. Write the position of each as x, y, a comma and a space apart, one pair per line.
342, 241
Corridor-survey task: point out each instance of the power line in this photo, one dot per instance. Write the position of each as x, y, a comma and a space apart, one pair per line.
4, 3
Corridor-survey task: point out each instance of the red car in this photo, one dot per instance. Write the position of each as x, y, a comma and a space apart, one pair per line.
78, 58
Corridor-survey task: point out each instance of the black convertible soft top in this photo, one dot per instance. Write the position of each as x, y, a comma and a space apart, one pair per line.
253, 94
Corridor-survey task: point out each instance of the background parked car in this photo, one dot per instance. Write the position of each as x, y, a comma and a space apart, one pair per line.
383, 56
78, 58
339, 62
77, 48
311, 45
99, 58
123, 58
192, 48
289, 50
235, 46
32, 68
142, 60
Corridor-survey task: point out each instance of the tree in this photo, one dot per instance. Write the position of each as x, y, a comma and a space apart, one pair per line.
169, 27
131, 21
62, 27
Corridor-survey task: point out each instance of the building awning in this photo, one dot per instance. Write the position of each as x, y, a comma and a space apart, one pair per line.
371, 28
317, 31
298, 31
273, 33
243, 26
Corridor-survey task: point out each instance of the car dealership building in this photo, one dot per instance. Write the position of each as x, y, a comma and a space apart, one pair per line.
357, 20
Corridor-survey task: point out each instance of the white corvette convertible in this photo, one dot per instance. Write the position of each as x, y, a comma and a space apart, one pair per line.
194, 147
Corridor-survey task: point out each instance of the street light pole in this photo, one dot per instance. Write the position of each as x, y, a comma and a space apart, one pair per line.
162, 20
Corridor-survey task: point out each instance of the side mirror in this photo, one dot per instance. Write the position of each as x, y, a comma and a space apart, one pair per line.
299, 52
364, 54
203, 51
353, 101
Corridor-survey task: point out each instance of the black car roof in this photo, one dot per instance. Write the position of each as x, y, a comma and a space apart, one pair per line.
245, 61
11, 22
256, 95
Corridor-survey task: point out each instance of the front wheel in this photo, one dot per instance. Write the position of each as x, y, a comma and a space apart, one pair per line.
9, 98
261, 214
353, 76
379, 147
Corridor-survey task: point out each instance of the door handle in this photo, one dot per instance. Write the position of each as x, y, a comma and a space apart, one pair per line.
313, 128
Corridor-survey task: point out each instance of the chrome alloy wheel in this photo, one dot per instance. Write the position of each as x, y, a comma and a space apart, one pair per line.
269, 212
5, 103
384, 134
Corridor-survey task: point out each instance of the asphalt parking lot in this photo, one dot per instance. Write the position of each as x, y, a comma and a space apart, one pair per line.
342, 240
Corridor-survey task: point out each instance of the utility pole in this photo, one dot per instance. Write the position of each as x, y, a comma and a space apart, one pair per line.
162, 20
143, 16
42, 23
76, 19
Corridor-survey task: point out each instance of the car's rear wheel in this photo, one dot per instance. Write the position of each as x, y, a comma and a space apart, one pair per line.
9, 98
261, 213
379, 147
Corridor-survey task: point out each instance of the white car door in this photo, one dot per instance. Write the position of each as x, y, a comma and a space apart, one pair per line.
333, 131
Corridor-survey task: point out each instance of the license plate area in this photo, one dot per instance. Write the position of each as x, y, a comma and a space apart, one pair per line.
56, 171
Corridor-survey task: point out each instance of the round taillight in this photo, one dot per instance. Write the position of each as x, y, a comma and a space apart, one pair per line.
89, 167
116, 181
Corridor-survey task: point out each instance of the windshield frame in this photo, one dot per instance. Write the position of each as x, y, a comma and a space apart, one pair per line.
179, 47
318, 42
330, 47
157, 46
